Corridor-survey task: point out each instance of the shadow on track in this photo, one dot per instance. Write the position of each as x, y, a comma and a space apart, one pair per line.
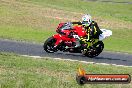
98, 57
108, 58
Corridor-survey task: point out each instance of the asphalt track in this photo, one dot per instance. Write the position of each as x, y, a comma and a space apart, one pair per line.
24, 48
109, 1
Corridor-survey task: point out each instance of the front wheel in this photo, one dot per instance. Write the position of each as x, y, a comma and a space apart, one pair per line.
49, 45
95, 50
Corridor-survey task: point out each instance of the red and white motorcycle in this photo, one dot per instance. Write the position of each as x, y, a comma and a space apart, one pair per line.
68, 40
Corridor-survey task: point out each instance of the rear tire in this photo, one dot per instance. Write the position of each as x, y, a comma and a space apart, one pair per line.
49, 45
95, 50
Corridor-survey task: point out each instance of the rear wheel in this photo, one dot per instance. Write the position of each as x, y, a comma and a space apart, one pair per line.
95, 50
49, 45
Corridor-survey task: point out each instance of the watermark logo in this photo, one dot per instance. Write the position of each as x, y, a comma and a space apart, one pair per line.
83, 78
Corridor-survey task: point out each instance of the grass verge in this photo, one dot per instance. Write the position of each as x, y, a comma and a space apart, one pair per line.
16, 72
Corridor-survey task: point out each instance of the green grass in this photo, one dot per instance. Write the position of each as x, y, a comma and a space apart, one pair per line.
117, 0
120, 41
16, 72
104, 10
36, 20
24, 33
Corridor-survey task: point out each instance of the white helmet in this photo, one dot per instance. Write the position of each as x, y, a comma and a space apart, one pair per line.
86, 20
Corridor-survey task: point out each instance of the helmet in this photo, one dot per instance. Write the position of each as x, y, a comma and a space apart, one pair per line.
86, 20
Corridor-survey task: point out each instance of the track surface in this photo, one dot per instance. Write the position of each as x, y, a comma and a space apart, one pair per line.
109, 1
37, 50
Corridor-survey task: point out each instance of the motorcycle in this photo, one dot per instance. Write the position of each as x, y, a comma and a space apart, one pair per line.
68, 39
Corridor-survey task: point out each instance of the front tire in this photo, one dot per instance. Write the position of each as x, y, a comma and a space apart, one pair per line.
49, 45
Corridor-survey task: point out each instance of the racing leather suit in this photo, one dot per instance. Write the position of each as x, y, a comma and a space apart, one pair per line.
92, 30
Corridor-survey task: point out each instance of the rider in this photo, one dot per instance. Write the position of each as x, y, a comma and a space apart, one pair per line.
90, 26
